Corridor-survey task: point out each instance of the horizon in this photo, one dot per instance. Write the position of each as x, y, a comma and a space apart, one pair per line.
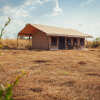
82, 15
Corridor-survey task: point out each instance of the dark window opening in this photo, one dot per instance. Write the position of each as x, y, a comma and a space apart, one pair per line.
53, 41
69, 41
75, 42
61, 42
69, 44
82, 42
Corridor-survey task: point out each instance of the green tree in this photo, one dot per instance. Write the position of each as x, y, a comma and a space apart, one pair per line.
97, 39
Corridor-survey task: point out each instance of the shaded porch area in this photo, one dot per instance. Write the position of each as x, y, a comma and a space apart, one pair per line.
62, 42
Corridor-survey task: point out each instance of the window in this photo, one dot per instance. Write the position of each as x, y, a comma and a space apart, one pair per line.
82, 41
53, 41
75, 40
69, 41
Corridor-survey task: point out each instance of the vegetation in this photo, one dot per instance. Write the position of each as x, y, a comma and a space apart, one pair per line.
6, 92
3, 29
96, 43
12, 44
93, 44
54, 75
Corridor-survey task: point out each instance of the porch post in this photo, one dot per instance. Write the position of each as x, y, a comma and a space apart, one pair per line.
78, 42
85, 42
58, 42
29, 42
66, 47
49, 38
72, 42
17, 41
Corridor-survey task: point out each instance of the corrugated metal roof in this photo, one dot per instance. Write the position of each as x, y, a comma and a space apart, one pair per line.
56, 31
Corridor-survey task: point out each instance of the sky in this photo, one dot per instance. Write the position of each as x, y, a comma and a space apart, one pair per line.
83, 15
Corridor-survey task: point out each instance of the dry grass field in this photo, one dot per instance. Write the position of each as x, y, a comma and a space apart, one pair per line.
53, 75
12, 44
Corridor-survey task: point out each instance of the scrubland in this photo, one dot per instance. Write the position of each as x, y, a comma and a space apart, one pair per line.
15, 44
52, 75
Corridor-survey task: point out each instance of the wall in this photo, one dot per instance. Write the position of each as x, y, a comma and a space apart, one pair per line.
40, 41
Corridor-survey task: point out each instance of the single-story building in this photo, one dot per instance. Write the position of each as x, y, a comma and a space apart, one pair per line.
49, 37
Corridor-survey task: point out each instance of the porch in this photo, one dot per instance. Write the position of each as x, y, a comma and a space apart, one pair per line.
62, 42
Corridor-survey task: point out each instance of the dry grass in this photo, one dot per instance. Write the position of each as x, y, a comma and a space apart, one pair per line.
12, 44
26, 44
53, 75
93, 44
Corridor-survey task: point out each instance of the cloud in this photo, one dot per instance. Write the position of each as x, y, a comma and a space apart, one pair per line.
34, 2
87, 2
57, 10
20, 15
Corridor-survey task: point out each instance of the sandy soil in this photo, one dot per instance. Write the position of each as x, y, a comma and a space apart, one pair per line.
53, 75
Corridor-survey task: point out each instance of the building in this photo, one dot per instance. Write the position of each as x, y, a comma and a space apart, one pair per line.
52, 38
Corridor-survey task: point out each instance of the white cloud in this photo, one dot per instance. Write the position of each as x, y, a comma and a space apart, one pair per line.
20, 15
87, 2
57, 10
33, 2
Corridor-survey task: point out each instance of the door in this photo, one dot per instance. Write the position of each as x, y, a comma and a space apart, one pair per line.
61, 42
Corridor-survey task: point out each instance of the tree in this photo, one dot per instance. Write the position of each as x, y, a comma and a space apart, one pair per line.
97, 39
6, 24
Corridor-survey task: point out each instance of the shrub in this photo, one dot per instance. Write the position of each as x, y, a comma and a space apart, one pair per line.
96, 43
93, 44
6, 92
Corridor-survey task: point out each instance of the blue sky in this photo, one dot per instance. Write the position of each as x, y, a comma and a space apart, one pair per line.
83, 15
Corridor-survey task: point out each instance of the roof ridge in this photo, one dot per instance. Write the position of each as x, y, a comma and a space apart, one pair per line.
53, 26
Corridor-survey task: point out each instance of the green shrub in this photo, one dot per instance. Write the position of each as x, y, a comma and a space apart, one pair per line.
6, 92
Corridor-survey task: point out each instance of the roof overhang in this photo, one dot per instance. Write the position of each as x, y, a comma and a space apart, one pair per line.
84, 36
28, 30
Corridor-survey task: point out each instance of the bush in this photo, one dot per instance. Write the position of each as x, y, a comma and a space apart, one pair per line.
6, 92
93, 44
96, 44
12, 44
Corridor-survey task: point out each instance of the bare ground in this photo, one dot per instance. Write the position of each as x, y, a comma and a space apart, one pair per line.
53, 75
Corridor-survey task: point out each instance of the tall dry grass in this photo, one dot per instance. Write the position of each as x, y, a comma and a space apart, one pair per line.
14, 44
26, 44
93, 44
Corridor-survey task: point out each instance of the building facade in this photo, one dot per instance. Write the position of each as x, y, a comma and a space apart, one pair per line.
53, 38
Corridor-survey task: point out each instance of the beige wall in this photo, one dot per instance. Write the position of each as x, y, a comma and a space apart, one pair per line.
40, 41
